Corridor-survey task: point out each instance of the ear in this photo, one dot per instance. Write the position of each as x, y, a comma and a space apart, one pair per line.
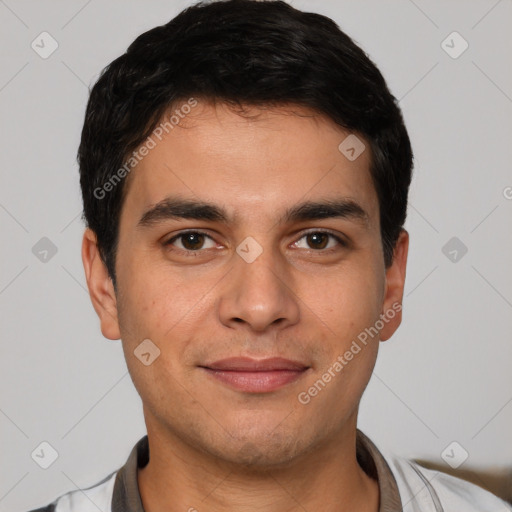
395, 281
101, 288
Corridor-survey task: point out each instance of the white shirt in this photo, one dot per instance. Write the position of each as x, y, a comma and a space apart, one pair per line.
404, 486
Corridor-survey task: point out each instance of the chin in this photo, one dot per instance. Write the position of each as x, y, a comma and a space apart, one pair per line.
260, 451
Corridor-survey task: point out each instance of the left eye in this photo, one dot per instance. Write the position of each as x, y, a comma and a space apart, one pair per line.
320, 239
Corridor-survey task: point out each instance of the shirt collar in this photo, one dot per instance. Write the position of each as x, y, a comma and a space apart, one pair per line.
126, 495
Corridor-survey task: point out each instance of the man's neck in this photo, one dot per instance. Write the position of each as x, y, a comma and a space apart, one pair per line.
179, 478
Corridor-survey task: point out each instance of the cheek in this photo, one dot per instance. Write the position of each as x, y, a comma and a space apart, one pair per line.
346, 301
164, 305
153, 313
348, 306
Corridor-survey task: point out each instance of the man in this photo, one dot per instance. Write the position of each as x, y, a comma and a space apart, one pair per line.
245, 173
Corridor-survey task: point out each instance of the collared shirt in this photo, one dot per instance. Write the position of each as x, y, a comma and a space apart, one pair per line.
404, 486
126, 495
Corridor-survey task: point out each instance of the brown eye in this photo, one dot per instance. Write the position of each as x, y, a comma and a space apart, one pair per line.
190, 241
319, 241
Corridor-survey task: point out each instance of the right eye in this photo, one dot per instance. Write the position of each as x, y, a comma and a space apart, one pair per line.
191, 241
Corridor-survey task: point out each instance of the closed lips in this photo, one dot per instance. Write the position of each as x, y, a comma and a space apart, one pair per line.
249, 375
243, 364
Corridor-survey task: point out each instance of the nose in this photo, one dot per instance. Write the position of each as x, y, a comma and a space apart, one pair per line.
259, 295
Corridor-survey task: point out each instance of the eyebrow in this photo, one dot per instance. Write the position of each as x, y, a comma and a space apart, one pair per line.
179, 208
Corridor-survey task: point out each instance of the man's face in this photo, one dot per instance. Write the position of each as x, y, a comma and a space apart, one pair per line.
255, 285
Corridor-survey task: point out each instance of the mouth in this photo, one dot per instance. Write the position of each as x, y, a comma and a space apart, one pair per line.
255, 376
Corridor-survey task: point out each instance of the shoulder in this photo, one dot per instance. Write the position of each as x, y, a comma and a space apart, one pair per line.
90, 499
423, 489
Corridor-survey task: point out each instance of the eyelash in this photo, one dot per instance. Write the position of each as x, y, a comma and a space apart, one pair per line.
341, 242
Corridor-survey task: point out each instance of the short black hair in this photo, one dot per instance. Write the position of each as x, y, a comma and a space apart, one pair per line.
240, 52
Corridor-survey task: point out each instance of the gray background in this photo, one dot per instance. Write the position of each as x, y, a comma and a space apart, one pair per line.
445, 376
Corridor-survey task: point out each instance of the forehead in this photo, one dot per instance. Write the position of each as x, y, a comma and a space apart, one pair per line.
260, 161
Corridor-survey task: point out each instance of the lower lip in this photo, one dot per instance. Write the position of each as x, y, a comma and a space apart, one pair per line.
256, 382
